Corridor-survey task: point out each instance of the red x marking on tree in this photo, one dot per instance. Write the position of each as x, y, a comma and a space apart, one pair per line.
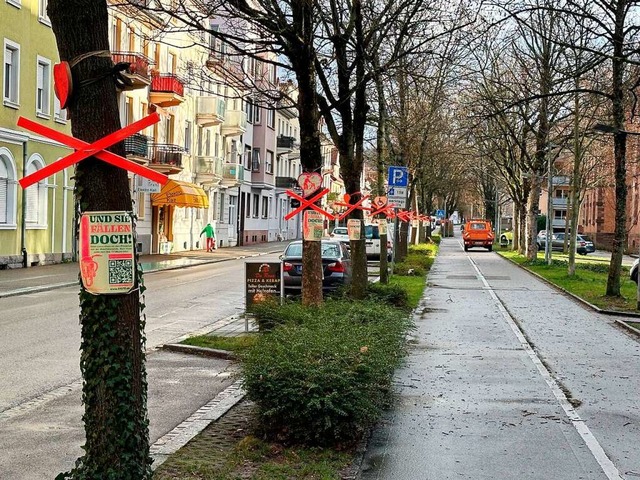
308, 203
351, 207
85, 150
403, 215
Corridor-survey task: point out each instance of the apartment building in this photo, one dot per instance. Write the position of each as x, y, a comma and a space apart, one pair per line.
36, 224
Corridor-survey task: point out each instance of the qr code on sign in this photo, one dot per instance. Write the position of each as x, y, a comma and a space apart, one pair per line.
120, 271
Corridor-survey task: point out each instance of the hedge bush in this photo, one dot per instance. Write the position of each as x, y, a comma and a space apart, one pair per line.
325, 375
389, 294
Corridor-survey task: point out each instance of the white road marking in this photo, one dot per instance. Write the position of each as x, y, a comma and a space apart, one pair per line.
580, 425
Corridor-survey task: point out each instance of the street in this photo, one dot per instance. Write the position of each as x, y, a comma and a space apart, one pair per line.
40, 390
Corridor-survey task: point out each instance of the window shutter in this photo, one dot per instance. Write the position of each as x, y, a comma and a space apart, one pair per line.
4, 204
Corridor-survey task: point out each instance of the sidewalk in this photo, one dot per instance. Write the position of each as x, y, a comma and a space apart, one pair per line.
19, 281
507, 378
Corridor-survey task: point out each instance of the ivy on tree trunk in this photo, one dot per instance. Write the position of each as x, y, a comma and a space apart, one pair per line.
112, 351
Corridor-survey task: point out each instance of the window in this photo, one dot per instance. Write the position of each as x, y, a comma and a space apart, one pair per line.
7, 190
256, 114
559, 214
255, 161
233, 202
36, 195
42, 12
11, 91
59, 114
256, 205
221, 217
271, 118
15, 3
265, 207
140, 206
248, 108
247, 157
269, 162
187, 136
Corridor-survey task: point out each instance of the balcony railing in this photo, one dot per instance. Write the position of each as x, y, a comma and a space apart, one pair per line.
232, 171
167, 83
209, 166
137, 144
286, 142
138, 64
235, 122
559, 201
286, 182
166, 154
210, 111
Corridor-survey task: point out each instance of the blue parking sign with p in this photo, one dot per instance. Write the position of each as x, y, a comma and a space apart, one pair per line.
398, 177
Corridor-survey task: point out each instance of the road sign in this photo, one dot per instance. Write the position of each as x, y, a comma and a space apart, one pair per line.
398, 177
440, 213
148, 186
397, 197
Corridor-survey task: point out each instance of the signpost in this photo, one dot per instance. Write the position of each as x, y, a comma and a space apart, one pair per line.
313, 226
397, 197
262, 281
398, 177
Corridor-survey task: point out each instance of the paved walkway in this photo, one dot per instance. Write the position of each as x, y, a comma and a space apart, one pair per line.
509, 379
18, 281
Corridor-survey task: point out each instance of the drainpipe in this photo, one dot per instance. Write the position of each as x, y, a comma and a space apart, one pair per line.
23, 233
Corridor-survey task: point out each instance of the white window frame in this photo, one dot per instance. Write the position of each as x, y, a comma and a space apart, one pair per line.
12, 191
59, 114
13, 101
42, 12
271, 117
269, 161
15, 3
42, 192
45, 110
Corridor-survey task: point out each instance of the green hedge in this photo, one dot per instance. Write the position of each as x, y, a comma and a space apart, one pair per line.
324, 376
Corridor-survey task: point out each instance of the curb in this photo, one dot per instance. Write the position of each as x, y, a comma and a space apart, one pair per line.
203, 351
583, 301
55, 286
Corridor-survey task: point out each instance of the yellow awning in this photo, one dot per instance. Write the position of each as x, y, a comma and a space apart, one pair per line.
181, 194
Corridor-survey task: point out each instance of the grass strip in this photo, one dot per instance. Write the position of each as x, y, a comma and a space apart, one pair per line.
589, 283
237, 344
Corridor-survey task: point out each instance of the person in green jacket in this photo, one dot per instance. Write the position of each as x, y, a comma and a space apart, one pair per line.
211, 237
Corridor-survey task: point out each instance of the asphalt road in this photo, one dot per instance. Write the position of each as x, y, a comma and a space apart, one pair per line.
40, 390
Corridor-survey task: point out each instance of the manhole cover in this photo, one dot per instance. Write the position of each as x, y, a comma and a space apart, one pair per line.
461, 277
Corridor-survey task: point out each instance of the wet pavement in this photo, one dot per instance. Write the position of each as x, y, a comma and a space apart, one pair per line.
507, 378
47, 277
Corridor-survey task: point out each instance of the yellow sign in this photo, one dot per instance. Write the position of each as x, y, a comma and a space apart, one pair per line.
313, 226
107, 262
382, 226
354, 227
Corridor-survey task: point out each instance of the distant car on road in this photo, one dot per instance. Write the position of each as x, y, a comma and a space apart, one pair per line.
340, 234
336, 266
588, 243
478, 233
557, 243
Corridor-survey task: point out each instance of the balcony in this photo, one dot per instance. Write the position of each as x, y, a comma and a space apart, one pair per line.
165, 158
286, 182
286, 144
210, 111
138, 71
235, 123
561, 180
137, 148
232, 174
208, 170
167, 90
559, 202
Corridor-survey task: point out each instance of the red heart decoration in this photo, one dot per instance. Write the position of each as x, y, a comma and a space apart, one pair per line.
62, 83
347, 198
309, 182
380, 202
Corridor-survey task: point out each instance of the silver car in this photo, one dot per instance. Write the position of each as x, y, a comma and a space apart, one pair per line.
336, 266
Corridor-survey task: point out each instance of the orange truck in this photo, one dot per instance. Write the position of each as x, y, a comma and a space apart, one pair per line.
478, 233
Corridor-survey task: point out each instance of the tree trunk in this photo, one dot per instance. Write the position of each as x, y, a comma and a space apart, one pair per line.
310, 145
381, 155
531, 248
619, 154
112, 351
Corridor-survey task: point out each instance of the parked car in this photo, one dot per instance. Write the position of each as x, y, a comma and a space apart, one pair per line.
506, 238
340, 234
336, 266
588, 243
372, 241
557, 243
478, 233
633, 273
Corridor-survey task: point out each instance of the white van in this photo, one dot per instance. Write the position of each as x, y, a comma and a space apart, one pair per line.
372, 241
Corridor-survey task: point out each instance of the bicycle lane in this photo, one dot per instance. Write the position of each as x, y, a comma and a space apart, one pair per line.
472, 401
